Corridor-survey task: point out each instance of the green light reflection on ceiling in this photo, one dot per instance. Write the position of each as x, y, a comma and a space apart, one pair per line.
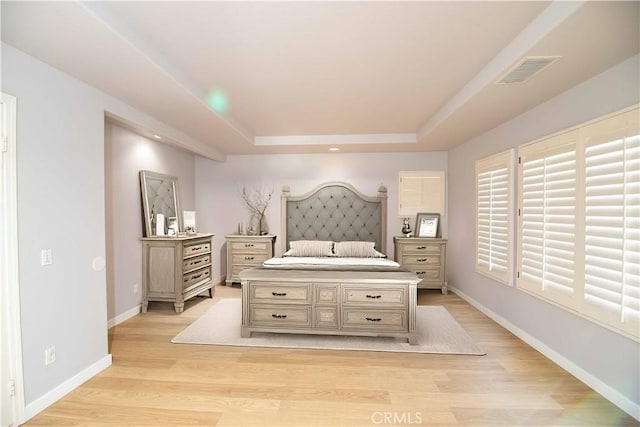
217, 101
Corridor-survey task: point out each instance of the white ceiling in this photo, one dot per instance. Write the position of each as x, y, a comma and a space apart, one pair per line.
303, 76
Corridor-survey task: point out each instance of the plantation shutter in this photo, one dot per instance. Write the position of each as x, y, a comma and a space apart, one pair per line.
579, 220
547, 221
494, 183
421, 191
612, 221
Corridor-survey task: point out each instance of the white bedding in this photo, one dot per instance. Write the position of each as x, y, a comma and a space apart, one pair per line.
329, 262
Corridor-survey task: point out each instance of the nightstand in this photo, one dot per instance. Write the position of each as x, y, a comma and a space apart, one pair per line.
245, 252
426, 257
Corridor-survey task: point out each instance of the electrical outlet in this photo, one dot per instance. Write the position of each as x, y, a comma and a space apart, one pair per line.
136, 288
50, 355
46, 257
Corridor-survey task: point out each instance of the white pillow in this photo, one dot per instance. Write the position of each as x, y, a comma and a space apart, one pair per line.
357, 249
310, 248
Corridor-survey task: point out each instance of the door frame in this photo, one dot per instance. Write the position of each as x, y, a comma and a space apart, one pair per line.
9, 276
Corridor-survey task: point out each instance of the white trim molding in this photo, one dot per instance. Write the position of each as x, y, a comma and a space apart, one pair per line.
596, 384
378, 138
122, 317
9, 262
40, 404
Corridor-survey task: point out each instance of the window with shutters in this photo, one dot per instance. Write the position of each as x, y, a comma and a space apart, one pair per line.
494, 216
579, 220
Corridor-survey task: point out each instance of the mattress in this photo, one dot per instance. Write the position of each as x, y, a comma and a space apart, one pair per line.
331, 263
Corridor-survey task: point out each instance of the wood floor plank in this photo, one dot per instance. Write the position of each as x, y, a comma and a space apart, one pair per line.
155, 382
69, 413
476, 401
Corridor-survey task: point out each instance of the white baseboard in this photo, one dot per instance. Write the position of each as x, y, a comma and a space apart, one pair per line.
609, 393
123, 316
52, 396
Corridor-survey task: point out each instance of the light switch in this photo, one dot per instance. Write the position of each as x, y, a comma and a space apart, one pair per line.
46, 257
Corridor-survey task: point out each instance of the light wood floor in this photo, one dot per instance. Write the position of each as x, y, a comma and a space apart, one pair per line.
154, 382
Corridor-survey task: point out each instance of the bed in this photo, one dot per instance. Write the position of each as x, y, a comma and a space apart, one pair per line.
316, 289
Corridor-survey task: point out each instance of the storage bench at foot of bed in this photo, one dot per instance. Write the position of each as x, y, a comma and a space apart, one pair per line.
329, 302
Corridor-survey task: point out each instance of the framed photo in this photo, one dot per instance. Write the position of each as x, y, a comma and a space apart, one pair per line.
172, 226
189, 221
427, 224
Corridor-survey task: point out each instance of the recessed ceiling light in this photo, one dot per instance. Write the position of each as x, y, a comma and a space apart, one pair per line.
334, 149
157, 136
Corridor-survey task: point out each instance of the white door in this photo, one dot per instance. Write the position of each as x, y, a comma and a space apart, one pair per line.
11, 384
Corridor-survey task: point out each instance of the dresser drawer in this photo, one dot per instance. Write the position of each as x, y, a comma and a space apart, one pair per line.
236, 269
420, 248
388, 320
251, 246
196, 249
428, 274
249, 259
195, 277
375, 295
420, 260
280, 294
278, 315
197, 262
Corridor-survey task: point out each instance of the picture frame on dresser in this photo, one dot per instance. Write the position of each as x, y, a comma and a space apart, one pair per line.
427, 225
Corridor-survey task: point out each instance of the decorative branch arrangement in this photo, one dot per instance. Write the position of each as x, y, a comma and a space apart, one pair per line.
257, 203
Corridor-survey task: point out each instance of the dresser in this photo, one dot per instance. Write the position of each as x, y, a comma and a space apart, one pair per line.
356, 303
175, 269
424, 256
245, 252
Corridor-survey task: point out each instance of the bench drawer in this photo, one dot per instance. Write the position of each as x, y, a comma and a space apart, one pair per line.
375, 295
365, 320
280, 316
280, 294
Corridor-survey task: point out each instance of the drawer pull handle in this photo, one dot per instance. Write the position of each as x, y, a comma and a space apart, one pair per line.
196, 262
279, 294
248, 245
421, 247
195, 248
196, 276
373, 319
422, 259
249, 258
279, 316
374, 296
421, 272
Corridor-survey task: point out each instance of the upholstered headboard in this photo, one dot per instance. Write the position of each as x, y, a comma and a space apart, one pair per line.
335, 211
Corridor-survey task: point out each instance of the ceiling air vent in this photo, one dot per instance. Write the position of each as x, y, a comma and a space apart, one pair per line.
527, 68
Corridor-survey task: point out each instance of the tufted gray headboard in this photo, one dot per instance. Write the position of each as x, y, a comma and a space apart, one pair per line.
335, 211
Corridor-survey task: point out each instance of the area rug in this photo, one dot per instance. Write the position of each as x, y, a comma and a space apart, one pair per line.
438, 332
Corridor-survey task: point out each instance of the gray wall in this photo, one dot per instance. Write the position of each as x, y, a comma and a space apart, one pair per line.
128, 153
219, 206
606, 355
60, 206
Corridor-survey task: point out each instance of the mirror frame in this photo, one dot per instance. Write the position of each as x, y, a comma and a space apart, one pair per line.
146, 177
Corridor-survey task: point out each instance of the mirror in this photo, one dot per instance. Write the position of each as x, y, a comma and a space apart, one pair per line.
159, 196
